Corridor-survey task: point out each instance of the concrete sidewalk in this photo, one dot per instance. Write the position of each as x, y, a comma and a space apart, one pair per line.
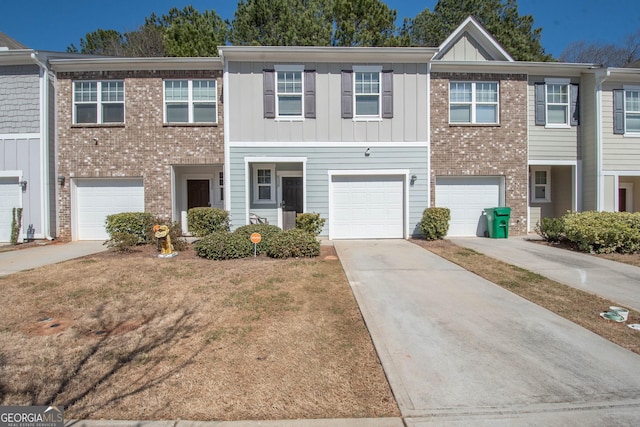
612, 280
461, 351
52, 253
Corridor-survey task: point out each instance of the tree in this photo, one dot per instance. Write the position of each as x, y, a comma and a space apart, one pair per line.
191, 33
364, 23
282, 23
101, 42
500, 17
627, 53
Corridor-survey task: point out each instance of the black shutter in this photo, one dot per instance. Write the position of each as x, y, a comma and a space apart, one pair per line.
575, 105
541, 104
387, 94
310, 94
269, 97
618, 112
347, 94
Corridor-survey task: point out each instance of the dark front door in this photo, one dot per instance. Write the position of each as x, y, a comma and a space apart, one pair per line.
622, 200
291, 200
198, 193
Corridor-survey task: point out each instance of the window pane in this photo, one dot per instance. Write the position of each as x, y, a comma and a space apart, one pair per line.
264, 176
486, 114
367, 82
289, 82
541, 177
86, 91
204, 112
460, 92
460, 114
112, 91
176, 90
367, 105
540, 192
204, 90
557, 114
633, 101
557, 94
486, 92
290, 105
177, 113
113, 113
633, 123
264, 192
86, 113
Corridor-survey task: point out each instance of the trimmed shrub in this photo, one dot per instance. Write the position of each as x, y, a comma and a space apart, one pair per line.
137, 224
604, 232
223, 245
203, 221
122, 242
551, 229
435, 223
310, 222
294, 243
267, 232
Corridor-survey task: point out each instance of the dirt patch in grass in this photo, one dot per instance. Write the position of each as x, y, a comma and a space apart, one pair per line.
573, 304
138, 337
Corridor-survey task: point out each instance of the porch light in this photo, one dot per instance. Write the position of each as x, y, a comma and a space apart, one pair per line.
23, 184
367, 152
414, 178
61, 180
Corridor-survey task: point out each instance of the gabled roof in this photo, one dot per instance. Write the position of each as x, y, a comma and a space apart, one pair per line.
470, 35
7, 43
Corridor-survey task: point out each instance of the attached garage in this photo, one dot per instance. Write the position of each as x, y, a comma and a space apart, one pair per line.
467, 197
10, 197
367, 207
95, 199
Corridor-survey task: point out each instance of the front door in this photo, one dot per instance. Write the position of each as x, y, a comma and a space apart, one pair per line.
198, 193
291, 200
622, 200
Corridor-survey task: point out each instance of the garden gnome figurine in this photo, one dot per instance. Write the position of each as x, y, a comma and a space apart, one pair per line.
166, 248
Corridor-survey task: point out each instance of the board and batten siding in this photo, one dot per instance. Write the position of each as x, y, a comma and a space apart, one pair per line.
589, 152
466, 49
20, 106
409, 122
319, 160
619, 153
549, 143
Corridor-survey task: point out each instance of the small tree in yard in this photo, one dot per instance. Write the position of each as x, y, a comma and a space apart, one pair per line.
435, 223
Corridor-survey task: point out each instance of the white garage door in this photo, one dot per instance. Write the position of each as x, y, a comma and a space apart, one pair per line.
467, 198
367, 207
9, 199
97, 198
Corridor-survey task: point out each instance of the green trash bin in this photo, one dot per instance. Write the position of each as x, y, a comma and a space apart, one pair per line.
498, 222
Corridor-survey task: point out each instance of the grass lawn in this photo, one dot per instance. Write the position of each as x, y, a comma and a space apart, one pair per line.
582, 308
132, 336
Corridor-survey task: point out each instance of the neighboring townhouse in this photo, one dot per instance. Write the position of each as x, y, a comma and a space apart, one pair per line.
137, 134
342, 132
611, 148
26, 141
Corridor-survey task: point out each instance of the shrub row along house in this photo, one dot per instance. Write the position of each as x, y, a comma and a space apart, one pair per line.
367, 137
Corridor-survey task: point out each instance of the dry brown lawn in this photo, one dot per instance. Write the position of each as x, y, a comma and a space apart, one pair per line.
116, 336
576, 305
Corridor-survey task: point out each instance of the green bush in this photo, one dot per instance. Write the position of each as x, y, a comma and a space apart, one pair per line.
137, 224
435, 223
203, 221
222, 245
267, 232
16, 223
604, 232
294, 243
551, 229
310, 222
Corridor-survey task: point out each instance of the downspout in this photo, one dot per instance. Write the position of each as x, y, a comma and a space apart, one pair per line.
226, 134
429, 201
44, 146
601, 77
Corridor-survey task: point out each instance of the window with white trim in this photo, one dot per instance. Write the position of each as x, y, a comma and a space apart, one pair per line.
264, 184
473, 102
289, 88
367, 91
632, 111
98, 102
557, 104
540, 185
221, 185
191, 101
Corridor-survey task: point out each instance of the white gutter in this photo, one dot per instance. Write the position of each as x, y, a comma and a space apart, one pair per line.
44, 147
601, 76
226, 135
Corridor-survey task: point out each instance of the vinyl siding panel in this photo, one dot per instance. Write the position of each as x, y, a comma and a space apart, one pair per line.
20, 95
589, 150
319, 161
548, 143
619, 153
409, 106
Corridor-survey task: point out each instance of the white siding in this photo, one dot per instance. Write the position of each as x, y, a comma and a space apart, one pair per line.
619, 153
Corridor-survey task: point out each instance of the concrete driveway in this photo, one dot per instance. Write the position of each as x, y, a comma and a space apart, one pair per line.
461, 351
612, 280
37, 256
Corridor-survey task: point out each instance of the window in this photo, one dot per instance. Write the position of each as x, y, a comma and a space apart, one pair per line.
473, 102
626, 104
221, 185
98, 102
190, 101
540, 185
556, 103
264, 184
367, 93
289, 92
